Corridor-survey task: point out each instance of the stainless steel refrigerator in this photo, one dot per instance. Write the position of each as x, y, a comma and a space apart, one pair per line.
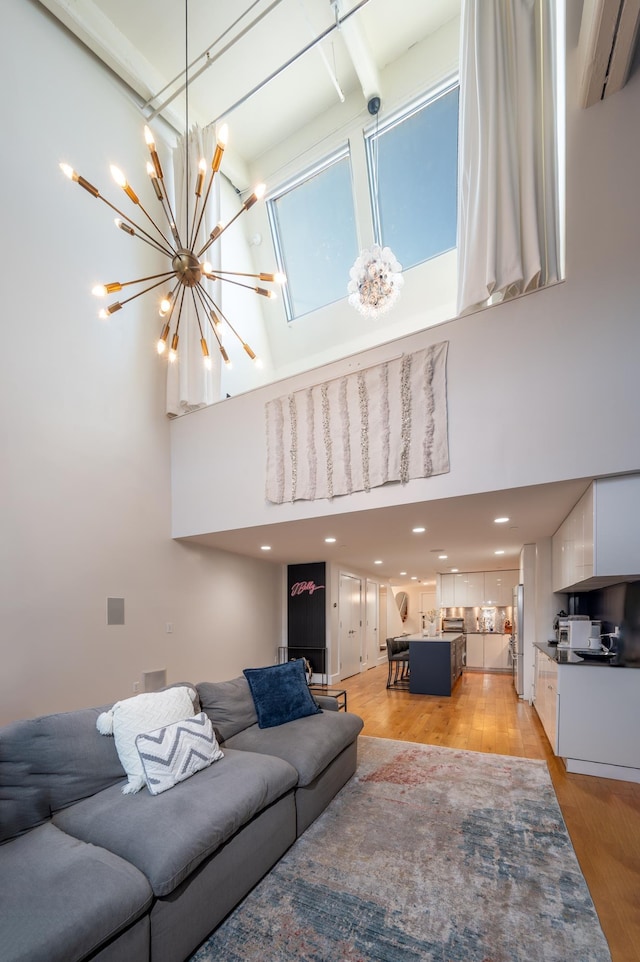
517, 653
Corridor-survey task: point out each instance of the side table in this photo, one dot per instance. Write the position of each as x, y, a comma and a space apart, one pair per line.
338, 693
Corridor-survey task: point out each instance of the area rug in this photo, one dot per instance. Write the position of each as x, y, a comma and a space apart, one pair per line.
428, 853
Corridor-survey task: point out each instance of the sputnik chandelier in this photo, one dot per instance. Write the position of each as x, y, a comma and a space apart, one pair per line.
188, 272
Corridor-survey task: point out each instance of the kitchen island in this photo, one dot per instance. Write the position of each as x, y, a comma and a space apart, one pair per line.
436, 663
590, 712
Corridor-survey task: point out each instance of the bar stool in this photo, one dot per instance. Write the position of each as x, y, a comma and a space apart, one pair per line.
398, 658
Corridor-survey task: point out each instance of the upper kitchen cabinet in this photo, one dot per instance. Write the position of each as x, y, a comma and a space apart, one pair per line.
498, 587
598, 543
471, 589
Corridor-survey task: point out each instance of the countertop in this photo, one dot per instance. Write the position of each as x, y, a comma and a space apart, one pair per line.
447, 636
567, 656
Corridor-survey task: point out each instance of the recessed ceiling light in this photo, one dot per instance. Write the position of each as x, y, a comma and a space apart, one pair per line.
443, 557
414, 577
377, 562
499, 552
330, 540
418, 530
403, 572
265, 547
455, 570
501, 520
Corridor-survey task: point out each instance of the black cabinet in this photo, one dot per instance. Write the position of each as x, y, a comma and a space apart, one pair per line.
436, 664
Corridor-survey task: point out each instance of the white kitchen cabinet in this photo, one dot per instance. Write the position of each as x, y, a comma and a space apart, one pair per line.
590, 716
488, 651
475, 650
598, 543
496, 652
447, 591
475, 585
472, 589
545, 697
498, 587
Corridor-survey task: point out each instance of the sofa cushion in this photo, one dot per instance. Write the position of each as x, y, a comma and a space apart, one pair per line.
309, 744
281, 693
166, 836
62, 899
143, 713
50, 762
176, 752
229, 705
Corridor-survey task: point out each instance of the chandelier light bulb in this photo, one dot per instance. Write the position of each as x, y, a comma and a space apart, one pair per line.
99, 290
258, 194
148, 137
206, 267
153, 175
103, 314
161, 346
205, 354
120, 224
222, 136
121, 181
68, 171
118, 176
202, 168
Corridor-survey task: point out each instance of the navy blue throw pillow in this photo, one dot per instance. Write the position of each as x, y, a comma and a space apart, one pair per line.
280, 693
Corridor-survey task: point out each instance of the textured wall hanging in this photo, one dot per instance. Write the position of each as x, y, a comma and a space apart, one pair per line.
384, 423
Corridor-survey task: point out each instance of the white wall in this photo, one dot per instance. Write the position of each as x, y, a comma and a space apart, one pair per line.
540, 389
85, 492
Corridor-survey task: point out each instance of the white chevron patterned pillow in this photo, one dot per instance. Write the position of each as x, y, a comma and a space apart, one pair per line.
175, 752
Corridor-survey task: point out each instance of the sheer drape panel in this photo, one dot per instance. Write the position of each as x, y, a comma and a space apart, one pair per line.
189, 384
508, 241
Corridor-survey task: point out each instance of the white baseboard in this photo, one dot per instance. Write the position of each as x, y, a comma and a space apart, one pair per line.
619, 772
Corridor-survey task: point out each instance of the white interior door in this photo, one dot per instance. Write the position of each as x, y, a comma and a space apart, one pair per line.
372, 625
350, 625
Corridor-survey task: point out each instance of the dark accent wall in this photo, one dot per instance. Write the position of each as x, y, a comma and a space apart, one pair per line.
306, 613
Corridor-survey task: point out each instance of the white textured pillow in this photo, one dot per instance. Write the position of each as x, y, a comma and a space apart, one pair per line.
175, 752
143, 713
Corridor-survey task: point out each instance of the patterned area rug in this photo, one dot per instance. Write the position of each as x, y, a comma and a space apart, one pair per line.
428, 853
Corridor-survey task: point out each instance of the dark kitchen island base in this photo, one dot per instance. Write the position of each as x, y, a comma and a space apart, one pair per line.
435, 663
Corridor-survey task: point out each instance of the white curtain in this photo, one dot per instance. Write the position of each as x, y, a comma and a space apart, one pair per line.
189, 384
508, 227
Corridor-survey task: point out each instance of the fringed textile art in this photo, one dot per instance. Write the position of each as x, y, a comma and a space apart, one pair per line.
356, 432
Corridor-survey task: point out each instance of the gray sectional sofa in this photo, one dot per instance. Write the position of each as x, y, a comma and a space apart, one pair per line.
89, 873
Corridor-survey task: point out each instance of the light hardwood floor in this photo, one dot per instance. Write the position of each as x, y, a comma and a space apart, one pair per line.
483, 714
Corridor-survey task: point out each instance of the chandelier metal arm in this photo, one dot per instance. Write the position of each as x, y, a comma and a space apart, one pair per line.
151, 220
215, 276
218, 310
151, 243
196, 225
169, 252
141, 280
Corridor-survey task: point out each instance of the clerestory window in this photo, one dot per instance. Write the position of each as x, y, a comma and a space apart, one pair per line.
415, 156
313, 224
